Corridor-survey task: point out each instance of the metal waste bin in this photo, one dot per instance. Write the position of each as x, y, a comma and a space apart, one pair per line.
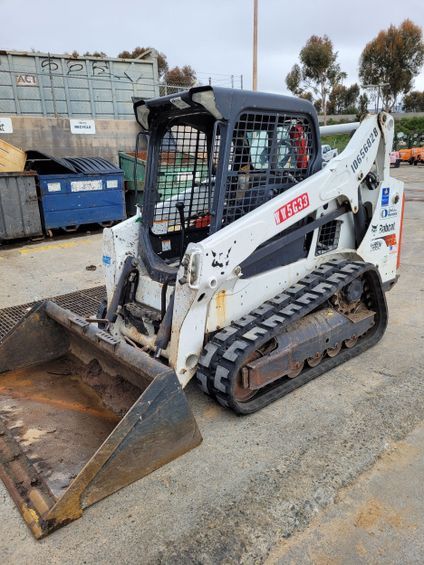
175, 173
19, 211
78, 190
127, 161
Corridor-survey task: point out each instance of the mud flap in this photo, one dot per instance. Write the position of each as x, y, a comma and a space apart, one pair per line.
63, 442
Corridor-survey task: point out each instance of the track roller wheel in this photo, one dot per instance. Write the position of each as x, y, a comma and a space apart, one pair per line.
297, 369
349, 343
333, 351
315, 360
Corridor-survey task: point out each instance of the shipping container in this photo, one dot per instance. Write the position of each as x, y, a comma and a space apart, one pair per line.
46, 84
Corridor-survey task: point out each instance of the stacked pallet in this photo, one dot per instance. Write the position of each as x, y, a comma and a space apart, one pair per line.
12, 159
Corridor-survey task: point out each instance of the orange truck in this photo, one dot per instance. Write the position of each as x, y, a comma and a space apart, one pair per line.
417, 155
406, 156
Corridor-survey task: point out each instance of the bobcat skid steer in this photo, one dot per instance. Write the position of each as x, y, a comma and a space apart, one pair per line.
249, 267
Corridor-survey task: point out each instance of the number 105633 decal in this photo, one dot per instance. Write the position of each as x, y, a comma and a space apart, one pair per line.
364, 150
291, 208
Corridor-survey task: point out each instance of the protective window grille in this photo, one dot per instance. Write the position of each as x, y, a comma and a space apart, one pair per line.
270, 153
183, 178
328, 237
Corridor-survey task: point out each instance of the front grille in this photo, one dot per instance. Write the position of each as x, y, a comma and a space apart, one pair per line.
328, 238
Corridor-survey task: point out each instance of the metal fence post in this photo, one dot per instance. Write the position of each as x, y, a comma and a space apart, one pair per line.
13, 81
52, 86
66, 87
40, 79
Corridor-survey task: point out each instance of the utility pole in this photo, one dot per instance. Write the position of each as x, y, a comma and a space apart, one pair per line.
255, 46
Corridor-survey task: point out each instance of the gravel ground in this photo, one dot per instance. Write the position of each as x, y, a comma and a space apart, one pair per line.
257, 481
49, 267
377, 520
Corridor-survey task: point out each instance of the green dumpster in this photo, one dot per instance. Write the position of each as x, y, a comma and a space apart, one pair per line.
175, 175
126, 163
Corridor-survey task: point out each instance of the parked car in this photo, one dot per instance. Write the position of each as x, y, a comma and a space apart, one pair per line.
328, 153
395, 159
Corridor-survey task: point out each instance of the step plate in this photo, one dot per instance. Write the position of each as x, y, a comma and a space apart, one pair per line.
82, 302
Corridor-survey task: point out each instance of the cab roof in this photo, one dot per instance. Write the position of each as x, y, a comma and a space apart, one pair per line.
222, 103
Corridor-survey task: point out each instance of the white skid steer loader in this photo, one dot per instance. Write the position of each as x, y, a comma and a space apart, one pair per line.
249, 267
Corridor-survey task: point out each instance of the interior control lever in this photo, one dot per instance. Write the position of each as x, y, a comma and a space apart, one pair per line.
180, 207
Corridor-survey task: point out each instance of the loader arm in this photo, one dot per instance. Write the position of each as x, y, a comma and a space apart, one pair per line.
210, 264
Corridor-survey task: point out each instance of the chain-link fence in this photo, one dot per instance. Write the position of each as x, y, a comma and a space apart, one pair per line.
202, 79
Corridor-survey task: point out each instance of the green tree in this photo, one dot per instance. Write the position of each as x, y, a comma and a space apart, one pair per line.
307, 96
392, 60
293, 81
362, 106
318, 72
140, 51
99, 54
343, 99
414, 102
181, 76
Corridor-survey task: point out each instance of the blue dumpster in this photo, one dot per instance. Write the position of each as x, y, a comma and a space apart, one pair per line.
78, 190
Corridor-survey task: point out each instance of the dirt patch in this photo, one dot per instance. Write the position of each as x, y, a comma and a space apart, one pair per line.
116, 393
369, 515
211, 412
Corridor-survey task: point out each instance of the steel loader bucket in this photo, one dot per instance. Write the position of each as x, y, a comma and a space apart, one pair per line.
82, 415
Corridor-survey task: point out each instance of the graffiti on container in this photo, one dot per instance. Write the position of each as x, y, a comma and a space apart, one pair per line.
86, 68
74, 67
49, 64
101, 68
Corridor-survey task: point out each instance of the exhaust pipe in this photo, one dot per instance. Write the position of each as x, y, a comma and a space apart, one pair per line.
82, 414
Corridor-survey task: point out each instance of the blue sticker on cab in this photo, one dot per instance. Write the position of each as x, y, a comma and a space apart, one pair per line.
385, 196
106, 260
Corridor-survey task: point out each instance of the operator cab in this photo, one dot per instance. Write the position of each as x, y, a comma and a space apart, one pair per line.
215, 155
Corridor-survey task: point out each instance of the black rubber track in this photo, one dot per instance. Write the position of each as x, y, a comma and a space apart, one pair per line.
228, 350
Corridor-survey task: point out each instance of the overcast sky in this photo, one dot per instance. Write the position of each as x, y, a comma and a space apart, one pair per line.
214, 36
